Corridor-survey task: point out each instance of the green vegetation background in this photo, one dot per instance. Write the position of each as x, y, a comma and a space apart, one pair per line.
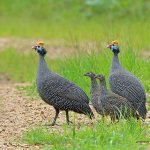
76, 22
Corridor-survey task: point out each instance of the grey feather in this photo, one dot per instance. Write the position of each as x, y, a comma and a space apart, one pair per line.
59, 92
127, 85
108, 103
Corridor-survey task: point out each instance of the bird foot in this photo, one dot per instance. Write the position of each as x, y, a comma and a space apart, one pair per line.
51, 124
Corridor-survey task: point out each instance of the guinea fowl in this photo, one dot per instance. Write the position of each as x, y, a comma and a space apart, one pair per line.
109, 103
59, 92
125, 84
94, 92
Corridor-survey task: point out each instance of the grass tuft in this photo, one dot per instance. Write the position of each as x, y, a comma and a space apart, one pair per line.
23, 67
123, 135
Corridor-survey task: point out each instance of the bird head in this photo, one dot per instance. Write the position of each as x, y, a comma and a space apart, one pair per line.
39, 48
100, 77
90, 74
114, 46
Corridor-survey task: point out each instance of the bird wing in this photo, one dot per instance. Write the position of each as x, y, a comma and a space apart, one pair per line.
66, 89
107, 103
127, 86
116, 102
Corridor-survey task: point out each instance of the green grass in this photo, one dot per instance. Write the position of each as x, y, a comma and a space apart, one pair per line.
74, 68
103, 136
84, 20
20, 66
23, 67
29, 90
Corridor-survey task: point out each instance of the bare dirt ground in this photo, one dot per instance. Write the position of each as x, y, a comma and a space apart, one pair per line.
146, 53
18, 113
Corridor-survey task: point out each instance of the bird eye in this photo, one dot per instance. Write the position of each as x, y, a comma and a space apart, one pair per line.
38, 46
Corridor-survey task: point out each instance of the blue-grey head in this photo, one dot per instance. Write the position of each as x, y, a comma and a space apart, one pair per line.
90, 74
101, 77
114, 47
39, 48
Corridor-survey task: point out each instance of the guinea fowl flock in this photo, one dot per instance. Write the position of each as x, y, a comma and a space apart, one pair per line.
108, 103
126, 99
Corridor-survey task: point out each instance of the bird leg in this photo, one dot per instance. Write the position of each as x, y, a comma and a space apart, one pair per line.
103, 118
56, 116
67, 117
113, 118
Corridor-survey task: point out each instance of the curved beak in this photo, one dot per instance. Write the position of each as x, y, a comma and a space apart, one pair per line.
96, 76
85, 74
109, 45
34, 47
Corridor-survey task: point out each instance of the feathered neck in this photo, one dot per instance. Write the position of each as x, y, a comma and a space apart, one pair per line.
115, 63
42, 67
103, 88
94, 85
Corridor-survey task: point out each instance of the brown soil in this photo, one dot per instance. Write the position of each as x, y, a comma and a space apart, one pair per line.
146, 53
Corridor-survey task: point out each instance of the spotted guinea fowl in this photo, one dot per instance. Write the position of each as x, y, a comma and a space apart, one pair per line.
125, 84
109, 103
94, 92
59, 92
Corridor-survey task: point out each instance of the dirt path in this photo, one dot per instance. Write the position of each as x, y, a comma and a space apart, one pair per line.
17, 113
